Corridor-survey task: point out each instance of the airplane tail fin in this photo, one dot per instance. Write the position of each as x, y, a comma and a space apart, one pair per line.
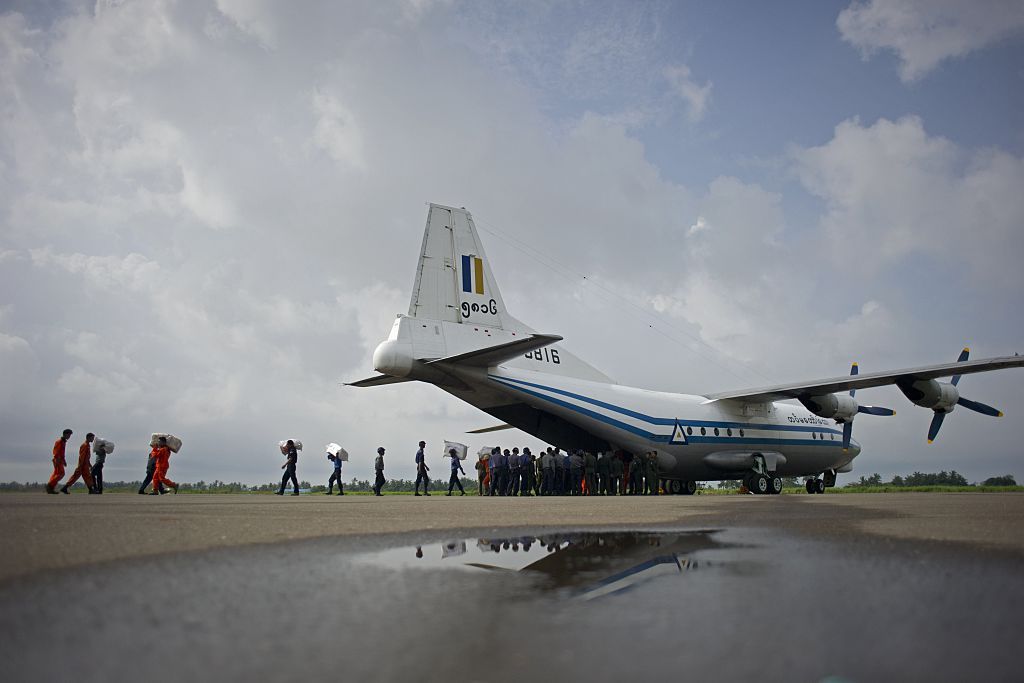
454, 281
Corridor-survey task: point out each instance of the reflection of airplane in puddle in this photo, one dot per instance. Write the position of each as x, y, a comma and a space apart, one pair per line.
591, 564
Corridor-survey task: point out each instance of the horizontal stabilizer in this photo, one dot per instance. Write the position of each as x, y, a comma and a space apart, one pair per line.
492, 355
377, 381
487, 430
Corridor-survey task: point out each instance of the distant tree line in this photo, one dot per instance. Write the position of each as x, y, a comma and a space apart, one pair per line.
943, 478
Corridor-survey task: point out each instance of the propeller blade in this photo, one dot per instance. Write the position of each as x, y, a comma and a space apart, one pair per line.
847, 433
979, 407
963, 356
853, 371
876, 410
933, 428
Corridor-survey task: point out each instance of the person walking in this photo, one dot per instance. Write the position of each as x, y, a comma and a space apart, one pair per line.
453, 481
421, 471
289, 466
150, 470
163, 463
59, 461
336, 477
378, 468
84, 468
481, 475
97, 468
603, 470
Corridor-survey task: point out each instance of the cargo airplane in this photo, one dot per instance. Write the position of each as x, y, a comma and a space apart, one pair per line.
459, 336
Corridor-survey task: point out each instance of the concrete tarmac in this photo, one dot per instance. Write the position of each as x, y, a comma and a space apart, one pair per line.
240, 588
39, 532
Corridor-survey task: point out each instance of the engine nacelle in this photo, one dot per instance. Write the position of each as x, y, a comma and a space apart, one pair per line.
831, 406
928, 393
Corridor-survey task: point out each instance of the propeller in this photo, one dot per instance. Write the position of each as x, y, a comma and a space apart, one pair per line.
867, 410
933, 428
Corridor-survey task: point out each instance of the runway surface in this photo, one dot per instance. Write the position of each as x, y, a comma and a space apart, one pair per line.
793, 587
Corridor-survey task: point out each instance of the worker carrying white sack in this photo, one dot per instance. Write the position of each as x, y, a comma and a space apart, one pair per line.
173, 442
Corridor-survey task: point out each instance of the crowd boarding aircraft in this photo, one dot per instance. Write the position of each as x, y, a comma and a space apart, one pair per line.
459, 336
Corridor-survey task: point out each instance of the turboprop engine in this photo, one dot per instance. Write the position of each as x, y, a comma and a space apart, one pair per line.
842, 409
831, 406
941, 397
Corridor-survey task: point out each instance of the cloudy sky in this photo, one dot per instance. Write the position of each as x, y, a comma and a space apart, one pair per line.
210, 211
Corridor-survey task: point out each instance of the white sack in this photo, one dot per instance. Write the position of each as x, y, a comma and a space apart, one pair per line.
461, 449
337, 451
283, 445
173, 442
483, 454
102, 446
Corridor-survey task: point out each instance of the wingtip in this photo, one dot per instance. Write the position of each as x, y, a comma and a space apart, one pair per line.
929, 440
854, 364
1000, 414
967, 349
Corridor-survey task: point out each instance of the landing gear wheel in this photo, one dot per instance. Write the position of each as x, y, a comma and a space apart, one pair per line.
819, 486
775, 486
675, 487
689, 488
759, 484
811, 488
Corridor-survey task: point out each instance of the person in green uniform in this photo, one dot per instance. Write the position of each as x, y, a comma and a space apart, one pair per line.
652, 476
603, 469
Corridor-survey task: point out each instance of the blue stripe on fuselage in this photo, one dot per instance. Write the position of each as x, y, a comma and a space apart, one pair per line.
655, 420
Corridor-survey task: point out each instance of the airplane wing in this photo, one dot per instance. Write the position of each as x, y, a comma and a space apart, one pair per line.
866, 381
377, 381
492, 355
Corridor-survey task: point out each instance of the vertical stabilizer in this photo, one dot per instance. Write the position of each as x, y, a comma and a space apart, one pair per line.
454, 281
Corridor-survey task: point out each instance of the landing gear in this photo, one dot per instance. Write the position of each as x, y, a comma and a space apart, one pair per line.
682, 487
775, 485
758, 483
815, 486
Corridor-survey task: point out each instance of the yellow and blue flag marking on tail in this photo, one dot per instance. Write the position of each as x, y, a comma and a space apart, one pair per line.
472, 274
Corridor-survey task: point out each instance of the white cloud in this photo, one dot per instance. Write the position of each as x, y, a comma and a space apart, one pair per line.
336, 131
894, 192
926, 32
684, 85
252, 17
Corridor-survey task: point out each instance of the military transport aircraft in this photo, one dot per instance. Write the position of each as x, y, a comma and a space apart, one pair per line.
459, 336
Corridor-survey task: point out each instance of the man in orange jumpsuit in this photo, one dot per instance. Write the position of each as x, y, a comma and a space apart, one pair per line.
84, 469
162, 454
59, 463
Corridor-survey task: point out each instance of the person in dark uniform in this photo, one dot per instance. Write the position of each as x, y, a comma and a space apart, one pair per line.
97, 467
615, 470
456, 469
494, 464
636, 476
336, 476
576, 468
291, 461
421, 471
514, 474
590, 472
526, 471
378, 468
566, 474
651, 477
603, 470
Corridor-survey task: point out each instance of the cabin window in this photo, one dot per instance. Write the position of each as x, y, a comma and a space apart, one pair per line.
741, 432
728, 432
814, 435
689, 430
703, 431
716, 431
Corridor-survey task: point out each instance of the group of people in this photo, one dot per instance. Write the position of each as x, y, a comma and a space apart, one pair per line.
91, 473
581, 473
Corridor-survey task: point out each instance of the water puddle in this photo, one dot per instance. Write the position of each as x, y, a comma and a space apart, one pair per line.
586, 564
